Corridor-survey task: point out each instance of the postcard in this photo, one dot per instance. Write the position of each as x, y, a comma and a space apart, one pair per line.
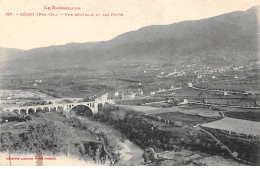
129, 83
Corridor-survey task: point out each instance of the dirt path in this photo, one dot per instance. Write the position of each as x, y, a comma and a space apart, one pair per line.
224, 147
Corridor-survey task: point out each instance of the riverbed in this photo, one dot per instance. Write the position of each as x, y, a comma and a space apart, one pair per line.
131, 154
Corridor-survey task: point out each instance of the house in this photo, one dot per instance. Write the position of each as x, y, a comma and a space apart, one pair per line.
117, 94
102, 98
140, 92
174, 88
199, 76
38, 81
252, 92
258, 103
185, 101
190, 84
226, 93
128, 96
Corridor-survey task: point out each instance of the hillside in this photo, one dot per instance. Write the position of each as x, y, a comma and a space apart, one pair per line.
224, 39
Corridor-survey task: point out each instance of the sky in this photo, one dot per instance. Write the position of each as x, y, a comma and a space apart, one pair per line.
27, 32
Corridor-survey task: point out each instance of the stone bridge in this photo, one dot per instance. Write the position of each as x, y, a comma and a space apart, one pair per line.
93, 106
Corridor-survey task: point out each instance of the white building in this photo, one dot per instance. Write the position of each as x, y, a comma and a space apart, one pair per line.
104, 99
190, 84
185, 101
140, 92
38, 81
226, 93
117, 94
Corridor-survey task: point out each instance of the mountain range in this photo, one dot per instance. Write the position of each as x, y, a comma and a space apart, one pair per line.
229, 38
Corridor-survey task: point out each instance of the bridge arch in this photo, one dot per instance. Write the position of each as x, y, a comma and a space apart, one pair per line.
53, 108
81, 110
39, 109
31, 110
16, 111
46, 109
59, 109
23, 112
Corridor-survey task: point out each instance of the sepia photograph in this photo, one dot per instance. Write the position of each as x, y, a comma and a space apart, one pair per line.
129, 83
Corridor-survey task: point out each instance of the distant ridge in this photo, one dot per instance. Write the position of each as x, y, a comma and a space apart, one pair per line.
229, 38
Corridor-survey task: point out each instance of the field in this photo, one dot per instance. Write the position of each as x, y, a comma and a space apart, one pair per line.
246, 115
236, 125
197, 110
186, 119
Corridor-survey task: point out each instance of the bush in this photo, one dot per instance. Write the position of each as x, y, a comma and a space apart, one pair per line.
28, 118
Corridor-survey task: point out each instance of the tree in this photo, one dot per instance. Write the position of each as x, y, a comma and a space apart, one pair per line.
86, 99
121, 115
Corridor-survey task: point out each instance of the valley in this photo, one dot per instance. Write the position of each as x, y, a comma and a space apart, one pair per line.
180, 94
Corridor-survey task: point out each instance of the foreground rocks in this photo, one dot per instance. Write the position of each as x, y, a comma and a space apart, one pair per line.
169, 158
55, 138
185, 157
